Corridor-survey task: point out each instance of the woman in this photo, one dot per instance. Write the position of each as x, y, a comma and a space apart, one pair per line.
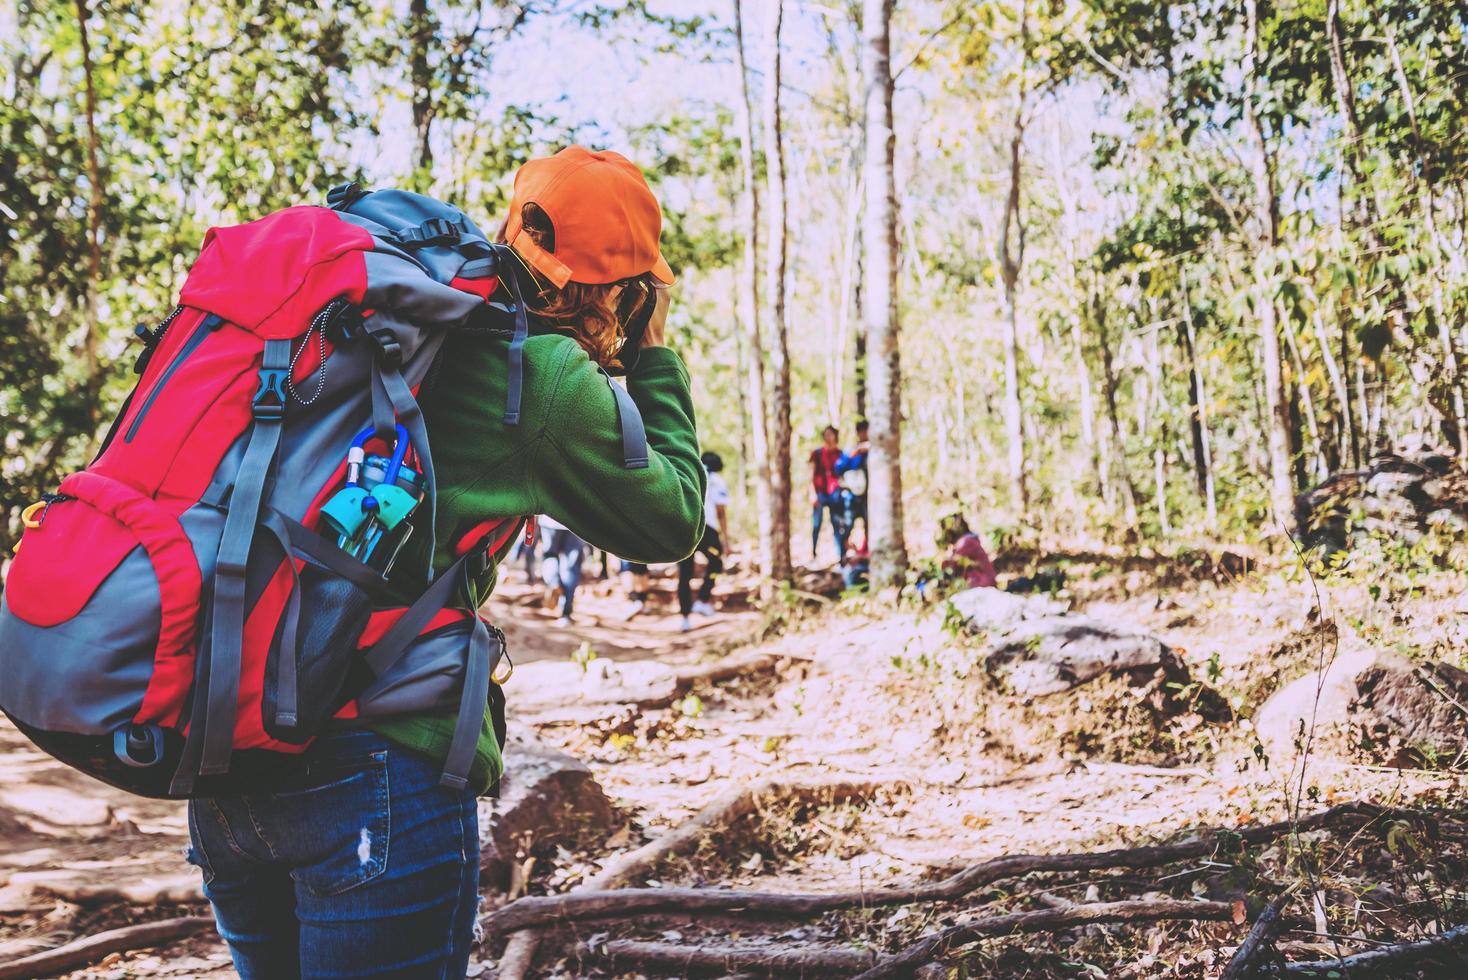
367, 866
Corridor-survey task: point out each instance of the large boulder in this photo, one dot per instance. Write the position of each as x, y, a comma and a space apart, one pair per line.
1048, 655
1401, 494
1037, 648
1410, 715
547, 798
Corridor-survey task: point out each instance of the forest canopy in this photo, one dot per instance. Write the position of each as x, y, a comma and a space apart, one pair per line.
1161, 266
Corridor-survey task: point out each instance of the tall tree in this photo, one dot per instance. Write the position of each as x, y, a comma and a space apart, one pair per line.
880, 309
1011, 261
749, 312
775, 253
94, 218
1278, 427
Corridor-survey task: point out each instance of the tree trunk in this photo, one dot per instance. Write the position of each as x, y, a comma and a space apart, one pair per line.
1113, 417
420, 39
1198, 404
1011, 260
94, 226
1266, 213
749, 302
879, 248
779, 566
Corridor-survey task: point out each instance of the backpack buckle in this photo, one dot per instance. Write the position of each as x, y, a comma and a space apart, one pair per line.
388, 346
434, 231
268, 404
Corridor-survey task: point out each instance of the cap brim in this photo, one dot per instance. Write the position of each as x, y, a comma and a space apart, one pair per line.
662, 273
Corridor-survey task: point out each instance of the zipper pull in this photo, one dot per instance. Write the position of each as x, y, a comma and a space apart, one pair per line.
150, 344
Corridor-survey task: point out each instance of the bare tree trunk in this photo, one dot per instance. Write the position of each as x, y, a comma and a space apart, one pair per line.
879, 241
1198, 403
1266, 210
749, 301
1113, 417
779, 566
420, 39
94, 224
1011, 260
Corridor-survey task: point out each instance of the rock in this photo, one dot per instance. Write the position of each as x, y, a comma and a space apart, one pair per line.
1056, 653
553, 685
1322, 696
1409, 715
547, 798
987, 610
1401, 495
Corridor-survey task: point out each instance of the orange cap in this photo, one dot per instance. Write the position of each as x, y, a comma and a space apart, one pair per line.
605, 217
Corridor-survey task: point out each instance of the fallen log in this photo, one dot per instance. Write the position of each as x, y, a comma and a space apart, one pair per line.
930, 948
598, 902
728, 807
714, 673
1385, 960
1244, 964
84, 952
775, 961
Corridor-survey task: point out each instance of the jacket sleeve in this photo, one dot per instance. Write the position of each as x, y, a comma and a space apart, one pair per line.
652, 514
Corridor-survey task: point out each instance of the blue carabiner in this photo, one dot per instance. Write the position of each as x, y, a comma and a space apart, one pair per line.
399, 451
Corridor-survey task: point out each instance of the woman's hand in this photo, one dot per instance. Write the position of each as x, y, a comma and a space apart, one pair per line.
654, 336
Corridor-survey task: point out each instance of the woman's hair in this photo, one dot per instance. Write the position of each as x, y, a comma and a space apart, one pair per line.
950, 529
582, 310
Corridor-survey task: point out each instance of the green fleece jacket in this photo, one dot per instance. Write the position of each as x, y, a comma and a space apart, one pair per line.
564, 460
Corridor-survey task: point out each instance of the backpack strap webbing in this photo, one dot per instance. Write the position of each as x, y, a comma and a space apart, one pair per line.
210, 739
478, 666
393, 404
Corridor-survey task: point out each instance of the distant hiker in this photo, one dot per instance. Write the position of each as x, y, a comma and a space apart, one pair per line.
851, 473
330, 729
560, 569
637, 582
826, 487
526, 550
712, 546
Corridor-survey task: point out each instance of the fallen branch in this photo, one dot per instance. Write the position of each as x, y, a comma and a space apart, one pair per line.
1375, 962
1260, 940
728, 807
591, 903
714, 673
85, 952
772, 961
926, 950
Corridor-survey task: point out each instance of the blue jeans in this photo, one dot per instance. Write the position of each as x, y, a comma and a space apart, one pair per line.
564, 554
829, 502
362, 866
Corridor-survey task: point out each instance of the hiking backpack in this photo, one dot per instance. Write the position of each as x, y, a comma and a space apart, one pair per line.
209, 594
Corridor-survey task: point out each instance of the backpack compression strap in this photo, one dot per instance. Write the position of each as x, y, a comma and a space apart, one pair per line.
207, 748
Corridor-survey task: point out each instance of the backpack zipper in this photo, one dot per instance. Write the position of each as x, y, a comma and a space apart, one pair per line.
206, 326
151, 339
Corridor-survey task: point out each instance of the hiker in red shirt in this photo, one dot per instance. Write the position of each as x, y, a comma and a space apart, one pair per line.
826, 484
965, 557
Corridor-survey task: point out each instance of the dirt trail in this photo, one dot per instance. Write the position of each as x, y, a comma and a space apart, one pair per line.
854, 692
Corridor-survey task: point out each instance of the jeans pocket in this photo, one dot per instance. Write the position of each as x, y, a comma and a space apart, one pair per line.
195, 854
335, 834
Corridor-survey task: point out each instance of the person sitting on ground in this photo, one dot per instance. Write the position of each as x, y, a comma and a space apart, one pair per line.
857, 562
713, 545
826, 487
964, 555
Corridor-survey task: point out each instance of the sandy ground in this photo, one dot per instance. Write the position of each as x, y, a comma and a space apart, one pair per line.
877, 697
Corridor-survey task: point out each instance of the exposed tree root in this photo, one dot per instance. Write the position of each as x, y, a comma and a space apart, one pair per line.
730, 806
84, 952
1387, 960
806, 961
924, 951
1246, 959
714, 673
597, 901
